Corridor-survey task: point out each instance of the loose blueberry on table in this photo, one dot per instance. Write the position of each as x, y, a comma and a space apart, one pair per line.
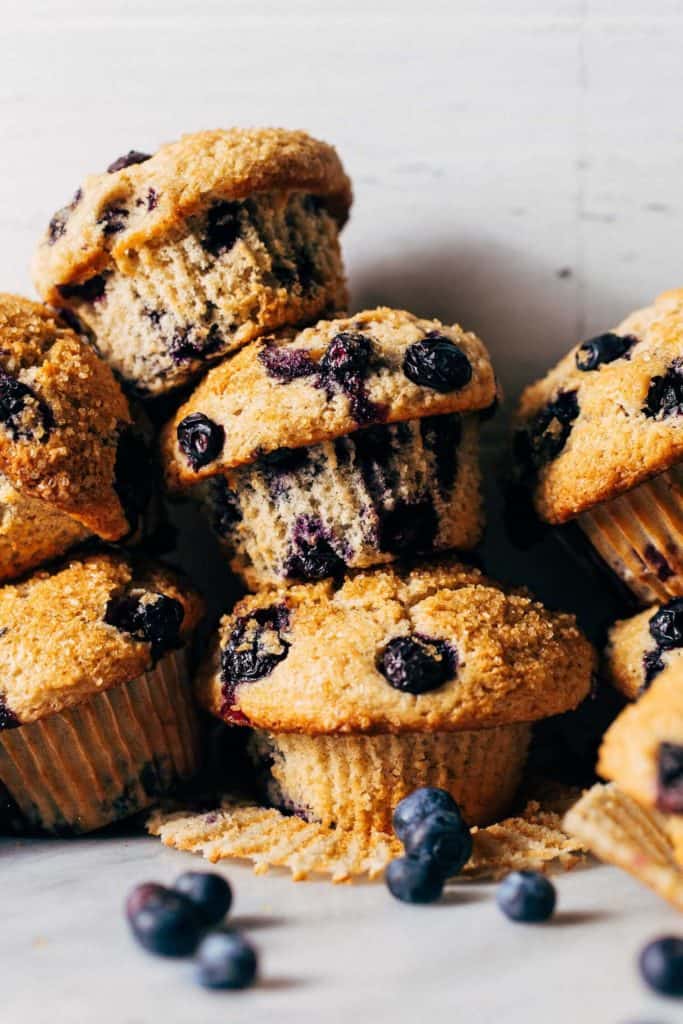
526, 896
163, 922
442, 838
661, 965
211, 894
226, 960
419, 805
414, 881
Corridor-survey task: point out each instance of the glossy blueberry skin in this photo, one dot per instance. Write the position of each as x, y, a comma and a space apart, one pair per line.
421, 803
526, 896
661, 965
226, 960
438, 363
146, 893
414, 880
442, 838
164, 922
210, 894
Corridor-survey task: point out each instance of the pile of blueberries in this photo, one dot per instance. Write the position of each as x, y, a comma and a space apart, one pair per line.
186, 920
438, 843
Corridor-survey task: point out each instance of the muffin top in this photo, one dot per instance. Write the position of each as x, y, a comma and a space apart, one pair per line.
640, 648
608, 417
293, 389
87, 625
642, 750
437, 647
143, 198
65, 426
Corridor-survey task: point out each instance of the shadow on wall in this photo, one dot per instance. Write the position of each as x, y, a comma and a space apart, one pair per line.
527, 313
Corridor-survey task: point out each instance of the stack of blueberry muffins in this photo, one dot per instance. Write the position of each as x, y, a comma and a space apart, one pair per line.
336, 458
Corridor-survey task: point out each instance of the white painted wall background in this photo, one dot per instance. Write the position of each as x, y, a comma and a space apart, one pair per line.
517, 167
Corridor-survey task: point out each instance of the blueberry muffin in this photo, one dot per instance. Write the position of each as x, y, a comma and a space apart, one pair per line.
72, 462
96, 717
643, 751
599, 440
170, 261
359, 691
346, 444
640, 648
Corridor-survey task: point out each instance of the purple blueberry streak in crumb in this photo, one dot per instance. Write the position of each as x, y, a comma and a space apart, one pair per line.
343, 368
88, 291
189, 343
225, 506
152, 199
15, 399
287, 364
133, 156
223, 227
312, 556
441, 436
113, 219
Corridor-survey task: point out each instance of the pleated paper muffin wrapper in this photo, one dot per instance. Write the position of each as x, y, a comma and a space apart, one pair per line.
621, 832
639, 536
534, 840
106, 758
354, 782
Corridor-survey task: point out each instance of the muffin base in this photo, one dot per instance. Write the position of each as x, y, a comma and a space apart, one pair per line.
355, 782
362, 500
639, 536
230, 274
107, 758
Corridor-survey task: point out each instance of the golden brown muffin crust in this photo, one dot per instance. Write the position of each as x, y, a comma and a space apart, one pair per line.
515, 661
57, 650
62, 411
179, 180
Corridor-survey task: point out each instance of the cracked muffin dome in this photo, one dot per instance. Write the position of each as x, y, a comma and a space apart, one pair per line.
96, 716
175, 259
433, 648
606, 418
299, 388
642, 751
71, 463
641, 647
87, 625
599, 440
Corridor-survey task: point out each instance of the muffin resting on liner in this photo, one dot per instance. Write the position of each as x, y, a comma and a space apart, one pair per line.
358, 692
599, 441
96, 716
343, 446
173, 260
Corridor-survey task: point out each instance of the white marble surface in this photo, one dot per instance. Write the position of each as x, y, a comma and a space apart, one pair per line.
517, 167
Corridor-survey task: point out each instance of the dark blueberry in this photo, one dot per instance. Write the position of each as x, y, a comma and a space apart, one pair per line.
603, 349
57, 225
661, 965
443, 838
437, 362
226, 960
200, 439
210, 893
165, 923
314, 561
134, 476
142, 895
417, 664
414, 880
408, 527
286, 364
255, 647
666, 625
8, 720
15, 398
526, 896
546, 435
222, 227
652, 666
151, 199
150, 618
113, 219
133, 156
441, 436
347, 355
89, 291
665, 394
670, 778
420, 804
